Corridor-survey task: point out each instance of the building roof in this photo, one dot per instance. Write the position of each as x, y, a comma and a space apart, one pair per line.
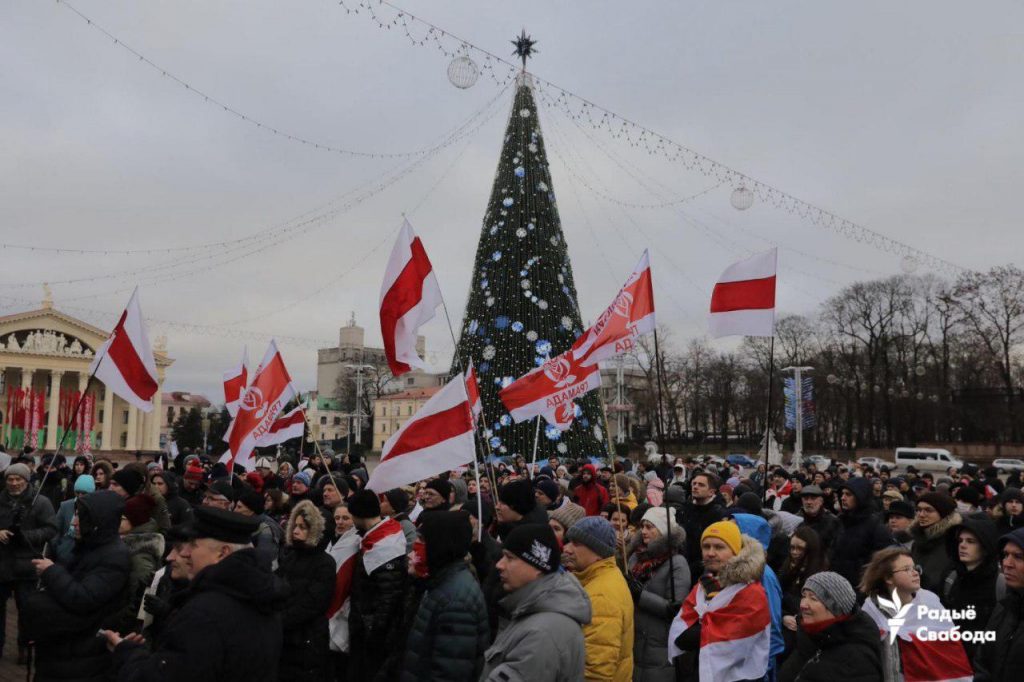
185, 398
411, 394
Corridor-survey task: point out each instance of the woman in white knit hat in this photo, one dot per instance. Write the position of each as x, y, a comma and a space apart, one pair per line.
649, 576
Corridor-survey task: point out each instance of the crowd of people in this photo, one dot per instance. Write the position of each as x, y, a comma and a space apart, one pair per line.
663, 569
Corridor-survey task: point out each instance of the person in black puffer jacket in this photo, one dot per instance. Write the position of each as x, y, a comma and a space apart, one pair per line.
1003, 659
836, 639
449, 632
62, 619
972, 584
310, 574
227, 625
863, 531
166, 483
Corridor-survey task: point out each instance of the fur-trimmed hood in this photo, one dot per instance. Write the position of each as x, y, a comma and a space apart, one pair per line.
145, 538
936, 531
745, 567
314, 520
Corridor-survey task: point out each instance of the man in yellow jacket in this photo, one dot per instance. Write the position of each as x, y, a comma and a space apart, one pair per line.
589, 553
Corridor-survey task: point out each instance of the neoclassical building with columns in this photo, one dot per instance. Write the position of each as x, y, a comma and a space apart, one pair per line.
49, 353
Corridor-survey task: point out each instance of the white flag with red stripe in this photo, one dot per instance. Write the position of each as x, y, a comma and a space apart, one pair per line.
743, 302
473, 391
630, 316
735, 632
235, 381
383, 543
439, 437
408, 299
343, 551
924, 660
261, 405
125, 362
550, 389
285, 427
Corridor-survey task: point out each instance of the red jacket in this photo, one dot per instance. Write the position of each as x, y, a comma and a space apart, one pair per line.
593, 496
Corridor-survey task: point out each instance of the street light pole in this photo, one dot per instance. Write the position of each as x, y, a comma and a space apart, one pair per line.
358, 369
798, 398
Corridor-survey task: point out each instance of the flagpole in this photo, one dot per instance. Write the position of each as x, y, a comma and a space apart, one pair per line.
536, 441
316, 443
768, 421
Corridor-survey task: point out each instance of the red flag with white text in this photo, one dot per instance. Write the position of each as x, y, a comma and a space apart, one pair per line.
285, 427
125, 362
549, 390
261, 404
630, 316
235, 381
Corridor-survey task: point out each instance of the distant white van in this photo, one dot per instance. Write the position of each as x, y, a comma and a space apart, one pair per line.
927, 459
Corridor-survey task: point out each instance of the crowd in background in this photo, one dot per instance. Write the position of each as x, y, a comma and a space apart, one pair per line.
651, 570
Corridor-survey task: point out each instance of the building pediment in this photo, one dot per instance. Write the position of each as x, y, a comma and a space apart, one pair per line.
49, 332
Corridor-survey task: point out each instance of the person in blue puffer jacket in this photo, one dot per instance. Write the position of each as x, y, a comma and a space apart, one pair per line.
759, 529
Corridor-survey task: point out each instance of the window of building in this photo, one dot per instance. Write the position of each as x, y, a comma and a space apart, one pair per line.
99, 417
337, 421
410, 381
170, 415
323, 421
383, 410
409, 410
124, 416
124, 440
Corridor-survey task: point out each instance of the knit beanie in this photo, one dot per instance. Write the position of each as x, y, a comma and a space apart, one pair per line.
834, 591
364, 505
398, 499
568, 514
85, 484
726, 531
596, 533
194, 471
969, 495
254, 479
303, 477
19, 470
535, 543
750, 503
138, 509
518, 495
442, 488
659, 517
548, 487
129, 479
944, 504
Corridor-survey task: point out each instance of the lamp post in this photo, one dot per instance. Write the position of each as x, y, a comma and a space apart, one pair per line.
798, 398
359, 369
205, 421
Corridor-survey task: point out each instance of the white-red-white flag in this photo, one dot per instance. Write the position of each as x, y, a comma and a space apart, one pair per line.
439, 437
473, 391
631, 315
544, 390
285, 427
261, 404
125, 362
408, 299
344, 551
235, 381
743, 302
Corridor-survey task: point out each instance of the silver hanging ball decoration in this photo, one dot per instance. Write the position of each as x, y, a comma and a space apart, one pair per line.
909, 265
463, 72
742, 198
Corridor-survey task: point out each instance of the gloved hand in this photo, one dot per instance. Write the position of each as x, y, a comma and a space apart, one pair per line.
635, 588
155, 606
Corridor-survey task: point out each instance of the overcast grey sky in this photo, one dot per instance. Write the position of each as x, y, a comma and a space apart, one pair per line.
904, 117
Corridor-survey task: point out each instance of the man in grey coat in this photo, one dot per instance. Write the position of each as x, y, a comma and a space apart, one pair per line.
542, 640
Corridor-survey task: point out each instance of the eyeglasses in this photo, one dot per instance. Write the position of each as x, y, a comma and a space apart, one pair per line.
908, 569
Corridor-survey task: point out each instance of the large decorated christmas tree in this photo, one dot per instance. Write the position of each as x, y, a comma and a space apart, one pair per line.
522, 305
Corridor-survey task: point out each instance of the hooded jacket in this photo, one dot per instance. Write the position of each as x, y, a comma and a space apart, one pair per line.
929, 550
759, 529
744, 568
81, 597
34, 523
449, 632
592, 496
178, 508
975, 589
863, 533
652, 611
227, 627
608, 637
847, 650
310, 575
543, 640
145, 550
1003, 659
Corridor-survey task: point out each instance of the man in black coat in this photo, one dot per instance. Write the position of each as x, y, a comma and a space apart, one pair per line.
863, 531
63, 617
699, 512
1003, 659
227, 624
817, 517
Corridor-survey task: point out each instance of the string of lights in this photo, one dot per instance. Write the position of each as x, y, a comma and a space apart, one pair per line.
462, 131
619, 127
233, 111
